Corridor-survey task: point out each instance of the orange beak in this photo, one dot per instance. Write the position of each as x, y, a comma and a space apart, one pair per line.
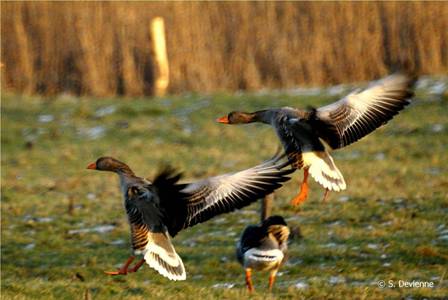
223, 120
92, 166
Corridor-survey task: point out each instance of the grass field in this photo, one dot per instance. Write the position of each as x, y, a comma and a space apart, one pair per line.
63, 225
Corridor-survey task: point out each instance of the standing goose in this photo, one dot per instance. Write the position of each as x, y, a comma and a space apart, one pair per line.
306, 135
160, 209
263, 247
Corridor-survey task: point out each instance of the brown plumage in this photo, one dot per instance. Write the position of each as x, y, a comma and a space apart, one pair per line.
263, 247
307, 135
160, 209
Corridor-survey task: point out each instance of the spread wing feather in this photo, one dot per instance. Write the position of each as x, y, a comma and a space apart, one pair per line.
361, 112
225, 193
189, 204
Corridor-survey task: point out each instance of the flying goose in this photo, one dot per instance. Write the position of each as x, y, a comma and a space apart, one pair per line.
307, 135
159, 209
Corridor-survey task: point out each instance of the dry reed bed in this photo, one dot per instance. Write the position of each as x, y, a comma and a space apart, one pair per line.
103, 48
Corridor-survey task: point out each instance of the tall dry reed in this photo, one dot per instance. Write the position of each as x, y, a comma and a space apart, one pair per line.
103, 48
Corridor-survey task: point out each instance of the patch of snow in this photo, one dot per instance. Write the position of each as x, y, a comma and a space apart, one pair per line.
444, 232
433, 171
104, 111
189, 243
243, 221
224, 285
336, 280
303, 91
94, 132
98, 229
349, 155
166, 102
28, 218
29, 134
398, 200
335, 223
357, 283
187, 130
373, 246
330, 245
29, 246
219, 220
215, 233
294, 262
344, 198
246, 212
192, 108
45, 118
117, 242
380, 156
44, 220
293, 218
229, 163
423, 82
444, 237
438, 88
437, 127
301, 285
336, 90
370, 228
388, 223
386, 265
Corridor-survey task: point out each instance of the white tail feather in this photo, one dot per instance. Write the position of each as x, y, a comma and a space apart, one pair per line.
323, 169
160, 255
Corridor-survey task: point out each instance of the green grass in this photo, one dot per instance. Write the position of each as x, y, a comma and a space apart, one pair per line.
387, 225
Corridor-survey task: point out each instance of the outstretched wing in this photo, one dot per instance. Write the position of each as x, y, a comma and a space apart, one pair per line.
351, 118
149, 235
221, 194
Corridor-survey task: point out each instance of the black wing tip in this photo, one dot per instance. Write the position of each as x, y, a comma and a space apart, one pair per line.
167, 173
